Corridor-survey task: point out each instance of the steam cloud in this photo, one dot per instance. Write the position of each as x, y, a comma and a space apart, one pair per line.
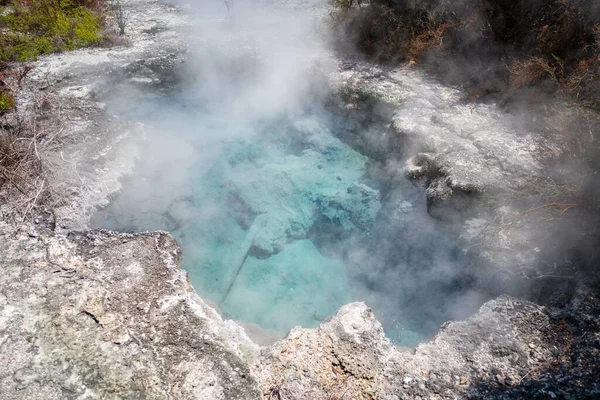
259, 68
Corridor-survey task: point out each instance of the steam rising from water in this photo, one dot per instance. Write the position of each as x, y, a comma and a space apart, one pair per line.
280, 221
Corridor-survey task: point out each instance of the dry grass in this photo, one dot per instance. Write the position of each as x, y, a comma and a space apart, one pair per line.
567, 53
552, 44
428, 35
558, 27
20, 160
24, 135
582, 84
532, 71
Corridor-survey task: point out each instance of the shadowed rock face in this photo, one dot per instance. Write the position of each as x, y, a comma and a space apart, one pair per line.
509, 349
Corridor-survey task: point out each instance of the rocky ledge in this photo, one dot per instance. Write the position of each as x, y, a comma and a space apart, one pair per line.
103, 315
98, 314
509, 349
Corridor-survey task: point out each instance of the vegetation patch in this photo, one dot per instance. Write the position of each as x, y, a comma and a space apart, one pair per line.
539, 57
487, 46
7, 102
30, 28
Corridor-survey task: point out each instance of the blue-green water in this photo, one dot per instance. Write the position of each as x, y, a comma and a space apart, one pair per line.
264, 194
281, 222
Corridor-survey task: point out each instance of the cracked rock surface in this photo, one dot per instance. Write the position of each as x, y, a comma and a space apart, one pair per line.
101, 314
509, 349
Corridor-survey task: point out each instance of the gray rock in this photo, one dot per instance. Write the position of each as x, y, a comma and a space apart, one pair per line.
112, 315
484, 355
354, 209
478, 165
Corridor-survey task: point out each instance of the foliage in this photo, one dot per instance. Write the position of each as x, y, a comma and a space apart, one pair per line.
28, 29
7, 102
36, 27
390, 30
346, 4
504, 47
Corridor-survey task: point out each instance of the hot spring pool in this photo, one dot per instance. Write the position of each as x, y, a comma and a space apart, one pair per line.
281, 223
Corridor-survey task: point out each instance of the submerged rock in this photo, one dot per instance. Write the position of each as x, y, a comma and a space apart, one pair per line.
279, 185
298, 281
355, 208
308, 171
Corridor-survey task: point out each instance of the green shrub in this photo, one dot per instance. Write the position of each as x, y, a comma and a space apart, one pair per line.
7, 102
37, 27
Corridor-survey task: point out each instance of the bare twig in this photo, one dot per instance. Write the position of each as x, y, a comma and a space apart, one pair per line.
526, 375
34, 139
74, 166
33, 202
531, 278
54, 136
121, 17
564, 206
549, 274
11, 180
275, 393
23, 73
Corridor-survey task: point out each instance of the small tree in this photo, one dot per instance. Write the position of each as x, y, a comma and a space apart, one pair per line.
121, 18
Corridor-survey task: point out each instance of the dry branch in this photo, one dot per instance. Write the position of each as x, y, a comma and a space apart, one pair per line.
564, 206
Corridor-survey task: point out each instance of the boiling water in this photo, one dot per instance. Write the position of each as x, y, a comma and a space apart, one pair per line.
281, 222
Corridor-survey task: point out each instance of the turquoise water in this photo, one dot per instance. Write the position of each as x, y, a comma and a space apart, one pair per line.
249, 253
281, 222
296, 282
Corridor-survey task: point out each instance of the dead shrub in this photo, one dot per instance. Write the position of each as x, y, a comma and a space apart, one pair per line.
18, 165
428, 34
120, 17
583, 83
109, 39
390, 31
531, 72
97, 6
22, 180
560, 26
378, 31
